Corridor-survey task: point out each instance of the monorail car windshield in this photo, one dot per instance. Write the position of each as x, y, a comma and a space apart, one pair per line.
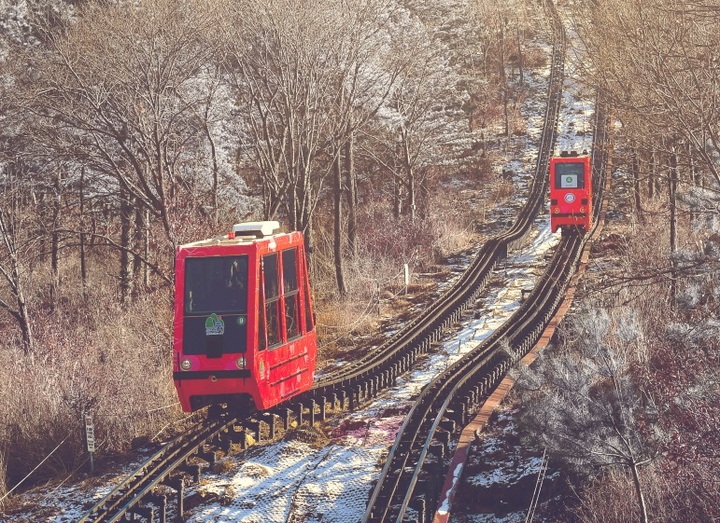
570, 175
215, 312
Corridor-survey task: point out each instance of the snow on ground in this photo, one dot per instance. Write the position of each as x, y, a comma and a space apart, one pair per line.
504, 463
292, 481
67, 504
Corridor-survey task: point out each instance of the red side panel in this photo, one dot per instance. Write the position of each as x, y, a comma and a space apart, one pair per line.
288, 369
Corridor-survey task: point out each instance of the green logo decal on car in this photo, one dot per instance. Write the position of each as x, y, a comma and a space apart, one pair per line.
214, 325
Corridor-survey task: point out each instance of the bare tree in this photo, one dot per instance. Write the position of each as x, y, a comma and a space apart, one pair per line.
669, 51
588, 408
124, 94
15, 255
308, 77
670, 108
416, 125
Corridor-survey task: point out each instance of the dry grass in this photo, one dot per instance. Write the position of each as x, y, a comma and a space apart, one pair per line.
595, 506
535, 58
374, 278
93, 354
90, 355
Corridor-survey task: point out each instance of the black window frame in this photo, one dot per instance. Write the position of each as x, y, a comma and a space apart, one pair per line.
271, 301
291, 293
283, 309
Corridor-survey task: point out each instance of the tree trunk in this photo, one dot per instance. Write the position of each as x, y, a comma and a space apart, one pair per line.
639, 493
520, 56
216, 170
138, 241
11, 274
694, 180
410, 174
338, 233
424, 205
83, 261
215, 167
652, 174
309, 248
23, 318
636, 186
55, 243
351, 191
397, 196
672, 189
146, 249
126, 260
503, 81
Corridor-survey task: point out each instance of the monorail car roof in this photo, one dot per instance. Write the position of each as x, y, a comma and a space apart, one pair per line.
242, 234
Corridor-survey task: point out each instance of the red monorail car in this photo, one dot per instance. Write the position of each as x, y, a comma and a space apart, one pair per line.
244, 332
570, 192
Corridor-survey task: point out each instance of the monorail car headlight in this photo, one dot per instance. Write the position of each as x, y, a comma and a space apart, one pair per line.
185, 364
241, 362
569, 197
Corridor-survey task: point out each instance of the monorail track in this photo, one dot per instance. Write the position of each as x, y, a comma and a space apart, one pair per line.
446, 401
379, 368
126, 497
409, 480
363, 379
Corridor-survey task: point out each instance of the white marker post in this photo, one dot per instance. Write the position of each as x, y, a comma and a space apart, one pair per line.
90, 438
406, 276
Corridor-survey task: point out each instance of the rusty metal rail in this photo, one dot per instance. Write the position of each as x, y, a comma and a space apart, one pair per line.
409, 482
364, 377
447, 400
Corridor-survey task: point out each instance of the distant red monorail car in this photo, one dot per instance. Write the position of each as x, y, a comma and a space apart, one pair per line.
244, 332
570, 192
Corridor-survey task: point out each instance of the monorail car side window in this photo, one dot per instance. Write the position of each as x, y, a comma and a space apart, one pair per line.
272, 299
569, 175
291, 293
309, 319
290, 279
262, 334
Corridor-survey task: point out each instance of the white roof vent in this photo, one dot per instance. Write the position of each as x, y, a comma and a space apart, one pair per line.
256, 229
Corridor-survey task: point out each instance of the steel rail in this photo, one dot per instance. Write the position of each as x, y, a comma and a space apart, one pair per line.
493, 357
473, 377
404, 346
